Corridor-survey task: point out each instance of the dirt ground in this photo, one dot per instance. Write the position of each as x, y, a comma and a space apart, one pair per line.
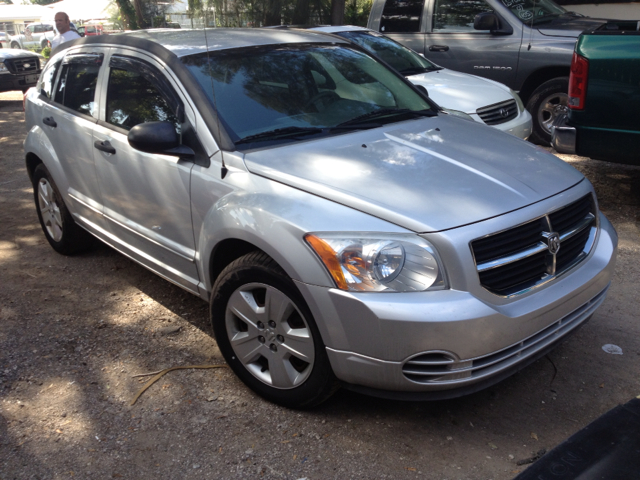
75, 330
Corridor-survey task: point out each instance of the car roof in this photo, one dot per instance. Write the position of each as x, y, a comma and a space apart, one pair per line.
182, 42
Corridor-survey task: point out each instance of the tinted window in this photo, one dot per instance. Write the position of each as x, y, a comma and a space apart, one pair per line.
536, 11
132, 99
77, 87
48, 79
457, 15
39, 29
401, 58
401, 16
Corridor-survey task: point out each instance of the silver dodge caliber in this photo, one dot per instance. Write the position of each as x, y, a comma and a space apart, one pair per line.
345, 230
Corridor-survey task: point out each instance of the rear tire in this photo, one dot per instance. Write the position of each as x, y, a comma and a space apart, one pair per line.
546, 103
267, 334
60, 230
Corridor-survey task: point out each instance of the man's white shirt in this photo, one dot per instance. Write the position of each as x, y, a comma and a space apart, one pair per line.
65, 37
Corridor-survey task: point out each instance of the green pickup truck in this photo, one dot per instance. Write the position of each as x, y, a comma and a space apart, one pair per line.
603, 120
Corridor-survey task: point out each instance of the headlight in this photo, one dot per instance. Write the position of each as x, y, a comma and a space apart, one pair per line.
3, 68
371, 263
518, 100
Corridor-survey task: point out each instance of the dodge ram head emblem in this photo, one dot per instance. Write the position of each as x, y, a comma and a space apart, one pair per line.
553, 241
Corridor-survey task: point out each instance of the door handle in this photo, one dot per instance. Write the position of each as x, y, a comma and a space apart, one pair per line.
49, 121
438, 48
104, 146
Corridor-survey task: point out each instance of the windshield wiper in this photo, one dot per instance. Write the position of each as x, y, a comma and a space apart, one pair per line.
280, 133
387, 112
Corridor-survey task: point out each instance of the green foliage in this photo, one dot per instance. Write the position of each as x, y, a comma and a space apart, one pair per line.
357, 12
46, 52
42, 2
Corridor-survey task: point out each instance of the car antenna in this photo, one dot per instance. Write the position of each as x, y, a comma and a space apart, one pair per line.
223, 170
533, 15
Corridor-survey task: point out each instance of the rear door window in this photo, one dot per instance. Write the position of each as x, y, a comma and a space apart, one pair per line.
48, 78
76, 88
401, 16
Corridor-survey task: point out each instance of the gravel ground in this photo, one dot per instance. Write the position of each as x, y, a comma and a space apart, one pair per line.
75, 330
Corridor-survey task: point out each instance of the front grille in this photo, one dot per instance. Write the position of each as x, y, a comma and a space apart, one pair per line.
23, 65
433, 368
498, 112
517, 259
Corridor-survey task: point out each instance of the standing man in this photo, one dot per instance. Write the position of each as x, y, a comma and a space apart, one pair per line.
65, 34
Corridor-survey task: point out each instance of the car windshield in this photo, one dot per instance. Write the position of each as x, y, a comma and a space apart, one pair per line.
534, 12
401, 58
288, 92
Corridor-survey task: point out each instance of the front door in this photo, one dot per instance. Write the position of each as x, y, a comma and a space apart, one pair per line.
146, 196
452, 42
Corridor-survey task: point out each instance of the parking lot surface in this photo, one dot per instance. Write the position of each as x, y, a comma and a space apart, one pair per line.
74, 331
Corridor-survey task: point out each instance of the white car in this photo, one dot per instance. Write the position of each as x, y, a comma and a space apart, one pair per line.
484, 100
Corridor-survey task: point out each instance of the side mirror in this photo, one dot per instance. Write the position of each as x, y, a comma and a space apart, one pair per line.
158, 137
491, 21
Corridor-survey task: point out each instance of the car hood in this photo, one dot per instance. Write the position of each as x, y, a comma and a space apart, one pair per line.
569, 26
15, 53
425, 175
460, 91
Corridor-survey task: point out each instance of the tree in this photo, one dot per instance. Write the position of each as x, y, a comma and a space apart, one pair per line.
128, 14
337, 12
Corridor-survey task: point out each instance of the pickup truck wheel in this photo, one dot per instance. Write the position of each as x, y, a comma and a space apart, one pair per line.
15, 45
545, 104
267, 334
59, 228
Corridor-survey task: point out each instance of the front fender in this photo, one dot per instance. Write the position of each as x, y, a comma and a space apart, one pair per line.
272, 217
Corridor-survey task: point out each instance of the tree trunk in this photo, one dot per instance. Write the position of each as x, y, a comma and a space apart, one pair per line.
128, 14
337, 12
301, 13
272, 13
139, 16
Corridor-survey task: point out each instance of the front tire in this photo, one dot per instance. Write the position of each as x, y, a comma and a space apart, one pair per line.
15, 45
267, 334
59, 228
546, 103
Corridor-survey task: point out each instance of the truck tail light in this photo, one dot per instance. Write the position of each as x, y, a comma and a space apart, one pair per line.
578, 82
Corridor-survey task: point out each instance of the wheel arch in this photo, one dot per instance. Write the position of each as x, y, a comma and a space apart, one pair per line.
540, 76
225, 252
32, 161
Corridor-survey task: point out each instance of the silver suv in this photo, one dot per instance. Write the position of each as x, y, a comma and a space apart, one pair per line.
344, 230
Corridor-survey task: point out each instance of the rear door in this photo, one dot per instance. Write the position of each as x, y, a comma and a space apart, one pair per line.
70, 112
146, 196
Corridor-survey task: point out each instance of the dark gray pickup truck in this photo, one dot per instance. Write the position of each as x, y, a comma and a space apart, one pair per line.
525, 44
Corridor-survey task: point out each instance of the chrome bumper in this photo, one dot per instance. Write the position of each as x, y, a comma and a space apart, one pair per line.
563, 136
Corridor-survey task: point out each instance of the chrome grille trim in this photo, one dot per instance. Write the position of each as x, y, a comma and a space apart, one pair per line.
18, 65
524, 257
498, 112
488, 365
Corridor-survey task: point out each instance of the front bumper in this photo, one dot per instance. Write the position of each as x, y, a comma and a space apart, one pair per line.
10, 82
443, 344
563, 136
